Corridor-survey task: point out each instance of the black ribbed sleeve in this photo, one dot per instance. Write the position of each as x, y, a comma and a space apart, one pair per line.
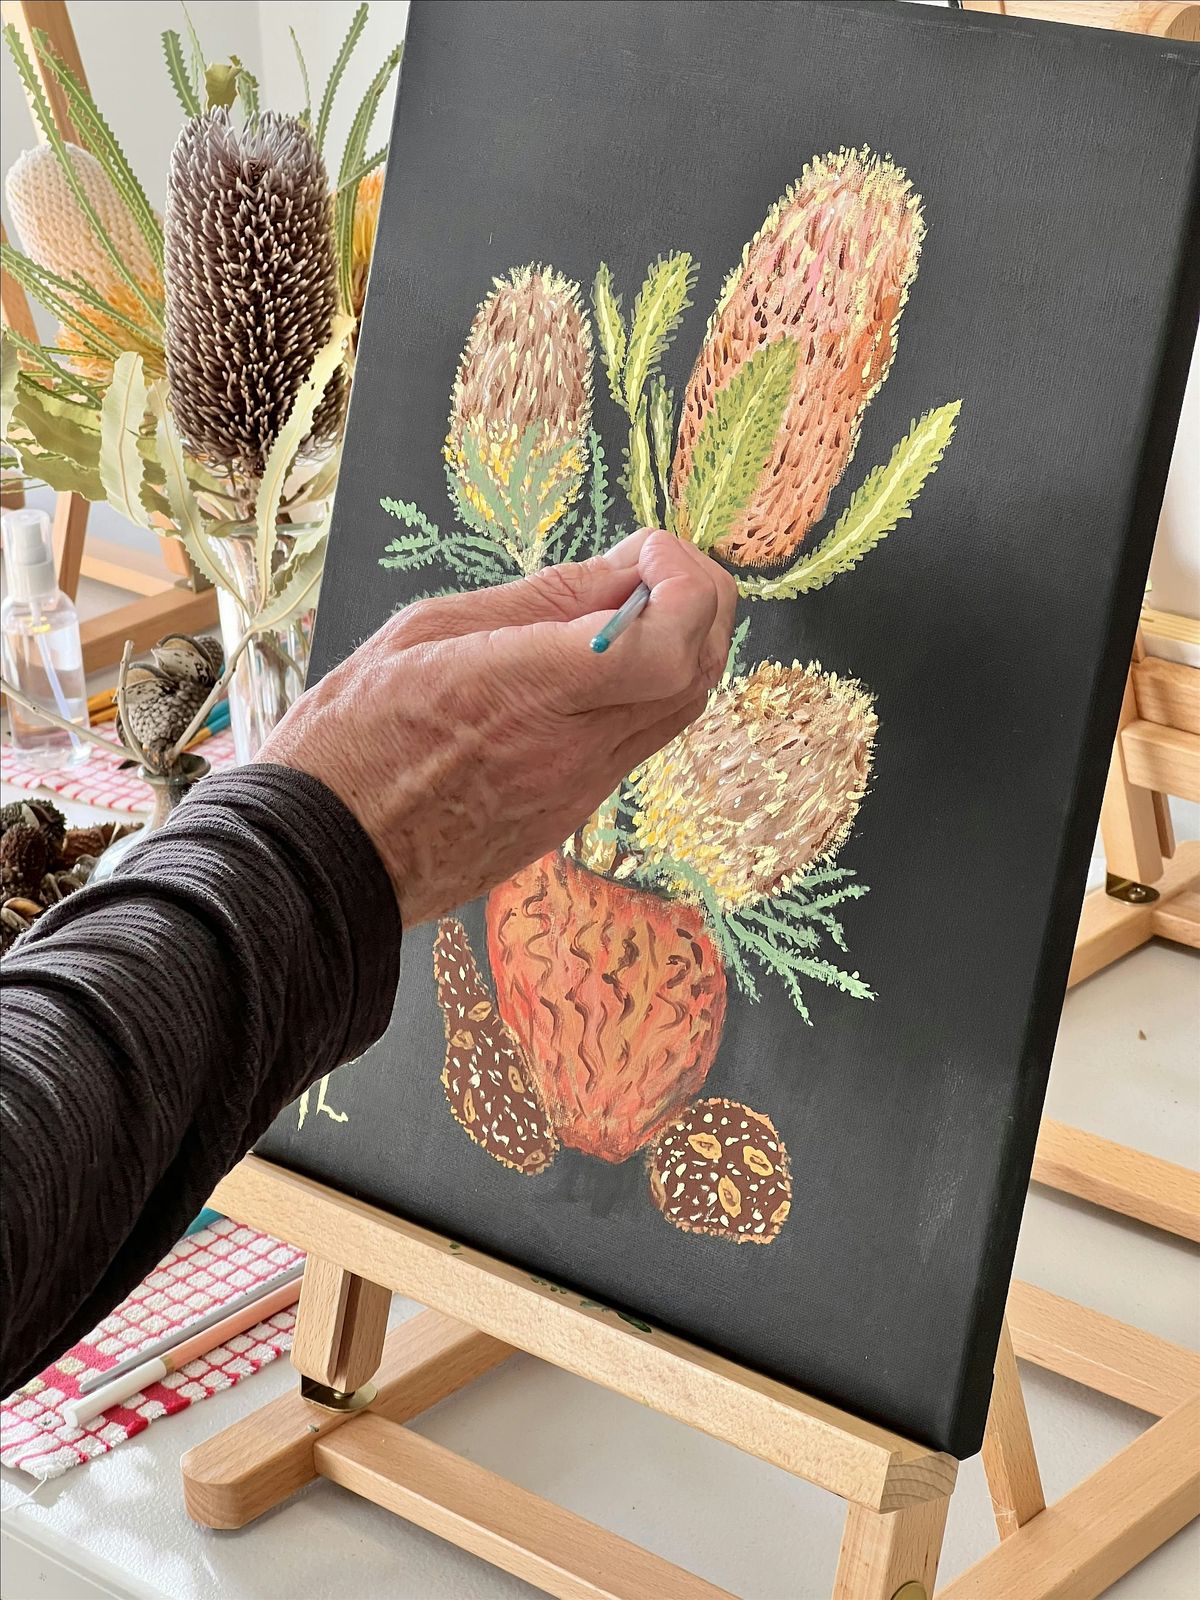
155, 1024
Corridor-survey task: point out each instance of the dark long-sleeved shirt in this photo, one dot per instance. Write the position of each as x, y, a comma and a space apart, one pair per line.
155, 1024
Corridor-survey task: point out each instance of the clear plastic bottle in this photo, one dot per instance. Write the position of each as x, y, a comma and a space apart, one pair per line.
42, 654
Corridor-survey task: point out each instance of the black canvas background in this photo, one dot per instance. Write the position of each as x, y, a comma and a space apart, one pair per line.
1058, 170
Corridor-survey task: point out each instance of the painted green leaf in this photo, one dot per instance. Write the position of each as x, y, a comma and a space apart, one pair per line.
639, 474
177, 72
291, 436
735, 443
662, 426
883, 499
657, 312
121, 466
610, 325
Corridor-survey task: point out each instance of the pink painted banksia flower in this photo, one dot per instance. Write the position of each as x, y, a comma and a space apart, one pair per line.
829, 270
766, 783
517, 445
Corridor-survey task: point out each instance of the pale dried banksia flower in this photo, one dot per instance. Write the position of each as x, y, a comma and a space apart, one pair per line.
54, 232
766, 783
251, 286
830, 268
523, 397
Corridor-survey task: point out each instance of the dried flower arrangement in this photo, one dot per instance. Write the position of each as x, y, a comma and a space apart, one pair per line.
42, 861
199, 376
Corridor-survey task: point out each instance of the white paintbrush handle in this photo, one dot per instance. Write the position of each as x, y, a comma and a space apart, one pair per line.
80, 1412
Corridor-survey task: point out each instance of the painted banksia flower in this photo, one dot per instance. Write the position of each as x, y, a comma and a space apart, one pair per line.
830, 270
517, 445
764, 784
251, 286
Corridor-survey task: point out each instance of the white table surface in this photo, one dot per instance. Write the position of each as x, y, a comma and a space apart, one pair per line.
116, 1526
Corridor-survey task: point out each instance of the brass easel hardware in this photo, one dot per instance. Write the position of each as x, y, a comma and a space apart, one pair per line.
1133, 894
324, 1394
911, 1591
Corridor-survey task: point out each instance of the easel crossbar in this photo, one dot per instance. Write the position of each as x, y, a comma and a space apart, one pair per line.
832, 1449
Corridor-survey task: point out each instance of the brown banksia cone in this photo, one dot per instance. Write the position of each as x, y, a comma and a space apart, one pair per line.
521, 407
617, 995
766, 783
24, 856
251, 286
830, 268
723, 1170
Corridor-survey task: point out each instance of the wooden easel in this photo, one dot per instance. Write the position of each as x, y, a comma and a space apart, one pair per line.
359, 1386
168, 600
1153, 891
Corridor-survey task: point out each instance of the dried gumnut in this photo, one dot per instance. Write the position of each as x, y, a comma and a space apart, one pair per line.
486, 1078
723, 1170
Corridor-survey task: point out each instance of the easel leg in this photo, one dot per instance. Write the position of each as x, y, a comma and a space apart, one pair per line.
340, 1326
1009, 1460
891, 1555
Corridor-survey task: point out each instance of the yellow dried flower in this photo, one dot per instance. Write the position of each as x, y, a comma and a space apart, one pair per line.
766, 783
366, 220
121, 297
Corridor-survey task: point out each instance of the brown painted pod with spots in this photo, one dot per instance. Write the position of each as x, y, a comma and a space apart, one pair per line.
486, 1078
723, 1170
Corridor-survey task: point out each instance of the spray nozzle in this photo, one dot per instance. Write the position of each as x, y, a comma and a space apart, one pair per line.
29, 554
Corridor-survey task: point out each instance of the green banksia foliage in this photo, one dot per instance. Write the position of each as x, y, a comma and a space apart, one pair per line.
763, 785
251, 286
829, 269
522, 402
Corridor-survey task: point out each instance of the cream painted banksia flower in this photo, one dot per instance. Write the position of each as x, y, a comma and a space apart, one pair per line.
517, 445
251, 286
765, 784
829, 270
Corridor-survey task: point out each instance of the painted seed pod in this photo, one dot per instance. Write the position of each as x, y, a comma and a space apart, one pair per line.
830, 268
617, 995
723, 1170
767, 781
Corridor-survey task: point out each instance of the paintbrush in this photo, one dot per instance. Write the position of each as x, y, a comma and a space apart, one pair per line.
616, 625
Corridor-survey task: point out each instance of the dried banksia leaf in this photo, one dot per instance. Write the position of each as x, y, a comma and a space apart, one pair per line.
766, 782
517, 446
251, 286
830, 268
54, 231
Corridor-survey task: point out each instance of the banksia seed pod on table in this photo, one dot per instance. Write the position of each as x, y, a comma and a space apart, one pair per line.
251, 286
617, 996
765, 783
830, 268
54, 232
523, 400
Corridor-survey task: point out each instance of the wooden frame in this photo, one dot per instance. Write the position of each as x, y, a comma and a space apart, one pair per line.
897, 1491
169, 600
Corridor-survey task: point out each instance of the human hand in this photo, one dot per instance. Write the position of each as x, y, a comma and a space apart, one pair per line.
475, 732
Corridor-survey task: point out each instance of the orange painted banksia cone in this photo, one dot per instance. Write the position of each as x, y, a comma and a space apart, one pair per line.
830, 268
617, 996
764, 784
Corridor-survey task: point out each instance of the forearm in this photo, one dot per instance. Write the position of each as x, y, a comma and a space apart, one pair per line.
154, 1025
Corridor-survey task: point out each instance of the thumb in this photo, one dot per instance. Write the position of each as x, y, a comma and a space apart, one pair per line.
555, 594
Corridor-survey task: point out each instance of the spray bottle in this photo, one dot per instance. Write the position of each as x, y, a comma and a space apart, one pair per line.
42, 653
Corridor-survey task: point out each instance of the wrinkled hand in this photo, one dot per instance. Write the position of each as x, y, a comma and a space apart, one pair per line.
473, 733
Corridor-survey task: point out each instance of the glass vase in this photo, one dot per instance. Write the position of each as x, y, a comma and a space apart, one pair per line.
270, 673
168, 792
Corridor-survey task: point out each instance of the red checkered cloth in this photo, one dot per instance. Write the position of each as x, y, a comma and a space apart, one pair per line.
207, 1269
98, 781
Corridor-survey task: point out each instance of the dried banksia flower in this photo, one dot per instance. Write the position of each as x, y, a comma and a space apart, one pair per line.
830, 268
764, 784
24, 856
251, 286
522, 402
54, 232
